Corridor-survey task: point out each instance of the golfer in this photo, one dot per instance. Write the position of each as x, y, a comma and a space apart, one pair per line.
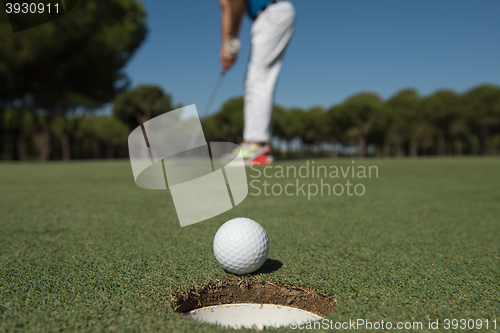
272, 28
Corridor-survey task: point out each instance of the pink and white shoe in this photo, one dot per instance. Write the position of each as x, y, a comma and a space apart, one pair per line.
263, 157
253, 154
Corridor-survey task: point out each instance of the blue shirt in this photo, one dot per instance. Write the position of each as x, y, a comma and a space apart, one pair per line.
253, 6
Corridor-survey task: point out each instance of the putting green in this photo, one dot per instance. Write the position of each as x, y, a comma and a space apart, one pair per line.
82, 248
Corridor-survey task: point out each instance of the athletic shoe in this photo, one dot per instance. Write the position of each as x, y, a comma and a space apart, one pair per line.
252, 154
265, 158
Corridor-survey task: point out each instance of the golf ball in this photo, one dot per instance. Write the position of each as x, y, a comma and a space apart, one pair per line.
241, 246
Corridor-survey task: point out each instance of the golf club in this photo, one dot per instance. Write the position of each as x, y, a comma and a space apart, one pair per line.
203, 115
232, 46
212, 97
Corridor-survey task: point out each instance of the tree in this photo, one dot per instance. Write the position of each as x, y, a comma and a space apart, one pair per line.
211, 129
423, 137
441, 109
360, 112
336, 124
315, 127
294, 127
483, 104
459, 128
230, 120
402, 115
278, 124
227, 124
17, 129
111, 133
79, 54
100, 137
139, 105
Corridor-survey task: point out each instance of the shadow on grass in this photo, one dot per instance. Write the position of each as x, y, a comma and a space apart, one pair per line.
270, 265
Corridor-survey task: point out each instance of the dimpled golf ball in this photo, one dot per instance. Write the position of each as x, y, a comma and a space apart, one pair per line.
241, 246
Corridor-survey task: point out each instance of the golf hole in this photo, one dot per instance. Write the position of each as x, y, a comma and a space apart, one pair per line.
251, 303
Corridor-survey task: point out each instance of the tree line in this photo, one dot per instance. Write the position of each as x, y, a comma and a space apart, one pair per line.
407, 124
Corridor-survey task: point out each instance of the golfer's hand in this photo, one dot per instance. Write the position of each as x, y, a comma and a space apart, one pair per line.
226, 60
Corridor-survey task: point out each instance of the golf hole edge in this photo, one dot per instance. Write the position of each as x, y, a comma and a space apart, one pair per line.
233, 293
251, 315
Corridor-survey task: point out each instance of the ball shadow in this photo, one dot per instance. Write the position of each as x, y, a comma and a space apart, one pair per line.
270, 265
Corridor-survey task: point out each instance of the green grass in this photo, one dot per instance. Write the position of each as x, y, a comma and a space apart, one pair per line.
82, 248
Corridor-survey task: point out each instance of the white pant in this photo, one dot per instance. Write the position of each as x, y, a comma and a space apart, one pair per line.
271, 33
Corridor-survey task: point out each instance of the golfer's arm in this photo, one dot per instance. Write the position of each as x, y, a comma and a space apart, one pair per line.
232, 14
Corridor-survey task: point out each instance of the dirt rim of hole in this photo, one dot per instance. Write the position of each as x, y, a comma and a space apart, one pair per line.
252, 290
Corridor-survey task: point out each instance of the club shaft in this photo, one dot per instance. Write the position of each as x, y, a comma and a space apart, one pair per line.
212, 97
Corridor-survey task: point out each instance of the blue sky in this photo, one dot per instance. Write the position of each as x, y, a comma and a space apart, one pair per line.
339, 48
